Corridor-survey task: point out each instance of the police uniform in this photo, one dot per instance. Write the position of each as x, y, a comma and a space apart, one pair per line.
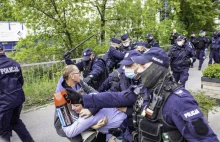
11, 99
113, 56
151, 42
201, 44
94, 71
128, 47
193, 42
214, 49
173, 37
178, 117
181, 57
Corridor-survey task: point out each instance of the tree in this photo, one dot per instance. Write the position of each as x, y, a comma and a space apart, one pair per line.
195, 15
6, 11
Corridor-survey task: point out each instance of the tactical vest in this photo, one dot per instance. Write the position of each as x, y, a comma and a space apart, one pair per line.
87, 68
155, 129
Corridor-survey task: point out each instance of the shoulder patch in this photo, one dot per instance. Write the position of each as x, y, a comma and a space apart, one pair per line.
191, 114
181, 92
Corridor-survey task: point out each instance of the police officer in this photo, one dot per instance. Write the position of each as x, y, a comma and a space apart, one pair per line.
173, 36
93, 68
214, 49
151, 42
11, 99
170, 110
193, 41
127, 45
201, 44
113, 56
181, 57
120, 80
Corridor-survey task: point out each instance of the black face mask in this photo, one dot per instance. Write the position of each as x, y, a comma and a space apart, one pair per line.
152, 75
149, 40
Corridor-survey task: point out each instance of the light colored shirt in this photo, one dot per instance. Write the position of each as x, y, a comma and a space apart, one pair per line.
115, 118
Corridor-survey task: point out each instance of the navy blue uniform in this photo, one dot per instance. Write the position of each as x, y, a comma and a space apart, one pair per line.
152, 43
173, 38
201, 44
180, 110
112, 57
180, 60
125, 49
214, 50
11, 99
95, 68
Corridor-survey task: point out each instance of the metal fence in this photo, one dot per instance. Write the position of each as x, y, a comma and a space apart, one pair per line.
50, 72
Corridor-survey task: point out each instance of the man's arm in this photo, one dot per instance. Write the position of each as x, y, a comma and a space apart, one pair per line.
97, 69
109, 99
79, 126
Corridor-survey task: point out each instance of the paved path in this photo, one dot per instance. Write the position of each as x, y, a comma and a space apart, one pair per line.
40, 122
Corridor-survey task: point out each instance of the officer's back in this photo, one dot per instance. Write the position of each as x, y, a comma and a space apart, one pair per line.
11, 82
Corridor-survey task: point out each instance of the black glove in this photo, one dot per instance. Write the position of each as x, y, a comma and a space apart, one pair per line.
116, 132
87, 79
73, 96
187, 62
67, 55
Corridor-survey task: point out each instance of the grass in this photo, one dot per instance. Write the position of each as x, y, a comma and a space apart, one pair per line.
39, 92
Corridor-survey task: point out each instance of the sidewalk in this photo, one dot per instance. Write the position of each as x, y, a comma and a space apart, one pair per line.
40, 122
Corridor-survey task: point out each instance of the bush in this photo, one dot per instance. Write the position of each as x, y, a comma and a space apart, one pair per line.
212, 71
206, 103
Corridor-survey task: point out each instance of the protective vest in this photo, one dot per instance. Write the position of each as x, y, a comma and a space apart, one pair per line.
201, 42
155, 128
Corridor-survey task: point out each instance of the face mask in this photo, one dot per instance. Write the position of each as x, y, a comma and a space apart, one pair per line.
126, 44
151, 76
201, 35
179, 43
129, 73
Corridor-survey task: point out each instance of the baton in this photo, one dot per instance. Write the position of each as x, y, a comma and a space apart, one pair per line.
78, 45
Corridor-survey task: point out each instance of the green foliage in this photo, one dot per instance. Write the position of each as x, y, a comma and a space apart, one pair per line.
206, 103
6, 11
212, 71
40, 82
196, 15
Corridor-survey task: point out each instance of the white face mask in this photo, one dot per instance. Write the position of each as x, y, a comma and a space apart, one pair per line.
126, 44
129, 73
180, 43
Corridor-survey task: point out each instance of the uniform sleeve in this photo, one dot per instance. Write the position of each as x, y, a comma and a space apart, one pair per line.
170, 52
80, 66
88, 89
98, 68
156, 44
117, 54
105, 85
68, 61
190, 121
109, 99
79, 126
20, 78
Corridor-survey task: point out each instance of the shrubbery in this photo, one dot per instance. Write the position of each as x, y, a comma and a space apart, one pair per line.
212, 71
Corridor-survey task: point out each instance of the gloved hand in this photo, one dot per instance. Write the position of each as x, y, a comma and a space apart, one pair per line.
187, 62
116, 132
67, 54
73, 96
87, 79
